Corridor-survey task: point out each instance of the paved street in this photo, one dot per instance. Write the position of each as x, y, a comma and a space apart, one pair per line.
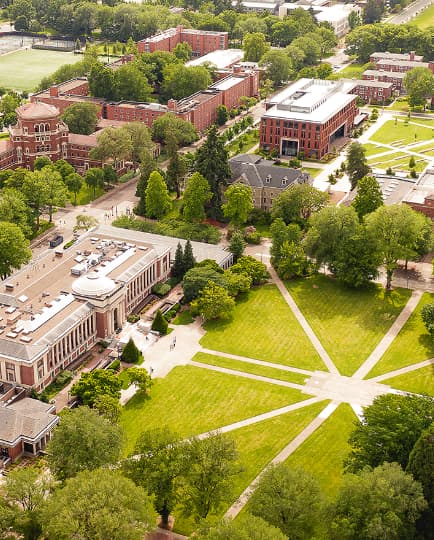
409, 12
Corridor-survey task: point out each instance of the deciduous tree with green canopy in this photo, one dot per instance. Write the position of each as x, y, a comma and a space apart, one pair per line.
81, 118
141, 378
289, 499
98, 504
14, 248
94, 178
83, 441
254, 46
96, 383
56, 190
281, 233
112, 145
210, 467
34, 189
380, 503
74, 183
213, 302
391, 426
419, 84
158, 201
427, 315
196, 195
239, 203
369, 196
237, 245
278, 66
157, 468
197, 278
247, 527
251, 267
141, 141
297, 203
170, 124
13, 209
180, 81
357, 164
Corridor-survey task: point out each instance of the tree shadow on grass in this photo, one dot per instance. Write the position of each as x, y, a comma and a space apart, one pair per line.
426, 341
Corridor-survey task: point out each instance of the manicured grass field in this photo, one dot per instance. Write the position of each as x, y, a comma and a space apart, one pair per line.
399, 164
192, 400
413, 343
243, 143
420, 381
23, 70
184, 317
349, 323
372, 149
401, 134
423, 121
312, 171
264, 328
388, 157
425, 19
85, 195
352, 71
324, 452
247, 367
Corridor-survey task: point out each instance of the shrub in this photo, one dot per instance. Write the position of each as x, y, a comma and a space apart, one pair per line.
253, 238
133, 318
390, 171
69, 244
160, 324
115, 365
64, 377
161, 289
413, 173
127, 176
131, 353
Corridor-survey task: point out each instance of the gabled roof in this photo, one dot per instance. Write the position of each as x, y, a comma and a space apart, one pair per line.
12, 349
258, 172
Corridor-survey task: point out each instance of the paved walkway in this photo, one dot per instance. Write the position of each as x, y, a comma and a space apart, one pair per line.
303, 322
402, 371
390, 335
242, 500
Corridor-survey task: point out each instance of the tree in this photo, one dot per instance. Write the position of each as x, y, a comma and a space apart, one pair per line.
26, 490
372, 12
213, 302
327, 40
34, 188
292, 261
421, 466
237, 283
183, 51
281, 233
178, 263
98, 504
14, 248
157, 468
158, 201
94, 178
110, 176
397, 230
41, 162
222, 115
244, 528
354, 20
188, 260
56, 191
180, 81
297, 203
212, 164
310, 46
419, 85
196, 196
251, 267
380, 503
81, 118
239, 203
140, 377
114, 145
175, 172
63, 168
160, 324
210, 467
131, 354
391, 427
94, 384
427, 315
296, 508
254, 46
84, 222
141, 141
83, 441
131, 84
278, 66
357, 164
368, 198
198, 278
170, 124
237, 245
108, 407
13, 209
102, 82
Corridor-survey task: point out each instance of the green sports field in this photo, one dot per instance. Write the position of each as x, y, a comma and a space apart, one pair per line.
23, 70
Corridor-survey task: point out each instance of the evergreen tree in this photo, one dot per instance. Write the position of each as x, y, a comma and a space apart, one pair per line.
178, 264
131, 353
357, 164
188, 259
175, 173
237, 245
212, 163
160, 324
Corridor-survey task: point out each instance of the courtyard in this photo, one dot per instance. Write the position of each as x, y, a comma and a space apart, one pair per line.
288, 375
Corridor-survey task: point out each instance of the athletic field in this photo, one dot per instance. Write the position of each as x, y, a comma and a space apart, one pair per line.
23, 70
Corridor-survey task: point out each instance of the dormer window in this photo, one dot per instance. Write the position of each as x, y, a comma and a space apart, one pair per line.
268, 179
284, 180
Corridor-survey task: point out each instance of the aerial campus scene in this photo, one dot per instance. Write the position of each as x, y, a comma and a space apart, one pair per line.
216, 272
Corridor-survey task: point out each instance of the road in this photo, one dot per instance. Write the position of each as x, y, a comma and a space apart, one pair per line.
410, 12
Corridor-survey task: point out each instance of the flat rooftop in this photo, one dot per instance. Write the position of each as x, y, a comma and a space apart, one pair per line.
382, 73
220, 59
227, 83
376, 84
312, 100
395, 56
401, 63
44, 299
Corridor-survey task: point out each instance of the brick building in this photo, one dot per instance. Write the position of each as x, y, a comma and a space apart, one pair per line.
308, 117
40, 132
395, 78
201, 41
200, 108
54, 310
373, 90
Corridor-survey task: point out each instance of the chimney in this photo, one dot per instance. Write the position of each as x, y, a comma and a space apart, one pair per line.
54, 91
412, 56
172, 104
